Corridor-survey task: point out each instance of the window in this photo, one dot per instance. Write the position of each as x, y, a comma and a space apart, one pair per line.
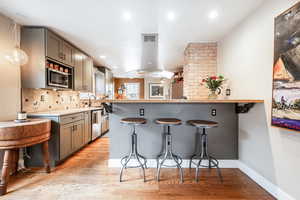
132, 90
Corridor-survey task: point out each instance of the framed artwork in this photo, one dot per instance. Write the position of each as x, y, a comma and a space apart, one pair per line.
156, 91
286, 70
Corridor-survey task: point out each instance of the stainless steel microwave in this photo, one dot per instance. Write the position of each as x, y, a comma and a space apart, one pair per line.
58, 79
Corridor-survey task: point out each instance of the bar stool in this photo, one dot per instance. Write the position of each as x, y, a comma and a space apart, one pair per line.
133, 122
203, 154
168, 153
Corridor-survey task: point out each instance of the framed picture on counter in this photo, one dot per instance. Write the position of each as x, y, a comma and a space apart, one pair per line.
156, 91
286, 70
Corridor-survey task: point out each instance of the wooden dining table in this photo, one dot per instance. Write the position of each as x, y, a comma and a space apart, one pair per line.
14, 136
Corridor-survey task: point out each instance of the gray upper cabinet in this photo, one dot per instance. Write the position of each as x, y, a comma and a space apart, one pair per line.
83, 67
42, 44
54, 46
58, 49
67, 53
78, 58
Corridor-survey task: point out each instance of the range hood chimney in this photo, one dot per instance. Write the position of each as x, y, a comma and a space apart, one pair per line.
149, 61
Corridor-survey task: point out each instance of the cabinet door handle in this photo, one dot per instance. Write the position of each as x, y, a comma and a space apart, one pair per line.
60, 55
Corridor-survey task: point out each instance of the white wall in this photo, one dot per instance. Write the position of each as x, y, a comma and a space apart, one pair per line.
246, 58
9, 75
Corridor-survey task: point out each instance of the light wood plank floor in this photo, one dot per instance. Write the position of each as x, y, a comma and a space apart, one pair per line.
86, 176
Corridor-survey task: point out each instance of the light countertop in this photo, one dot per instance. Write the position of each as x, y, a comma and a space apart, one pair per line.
57, 113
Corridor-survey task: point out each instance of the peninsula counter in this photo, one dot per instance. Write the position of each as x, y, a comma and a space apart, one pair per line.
223, 140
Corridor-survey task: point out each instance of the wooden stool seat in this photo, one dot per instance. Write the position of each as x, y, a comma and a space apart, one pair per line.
18, 135
203, 123
168, 121
134, 120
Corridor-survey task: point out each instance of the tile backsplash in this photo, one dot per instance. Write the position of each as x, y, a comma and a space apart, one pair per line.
39, 100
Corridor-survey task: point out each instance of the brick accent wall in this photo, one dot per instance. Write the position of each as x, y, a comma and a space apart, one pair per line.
200, 61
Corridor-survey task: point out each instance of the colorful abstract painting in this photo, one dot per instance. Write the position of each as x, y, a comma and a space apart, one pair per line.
286, 71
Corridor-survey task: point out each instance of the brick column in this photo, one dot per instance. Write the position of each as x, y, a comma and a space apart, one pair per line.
200, 62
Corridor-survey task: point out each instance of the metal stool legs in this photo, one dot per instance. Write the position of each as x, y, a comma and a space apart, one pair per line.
168, 154
142, 161
204, 155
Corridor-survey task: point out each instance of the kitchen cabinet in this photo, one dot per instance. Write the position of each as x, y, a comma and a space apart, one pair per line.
65, 140
59, 49
43, 45
53, 46
83, 68
87, 128
69, 133
87, 84
77, 135
67, 53
78, 58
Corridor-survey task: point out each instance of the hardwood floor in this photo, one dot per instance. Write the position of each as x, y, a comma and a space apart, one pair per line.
86, 176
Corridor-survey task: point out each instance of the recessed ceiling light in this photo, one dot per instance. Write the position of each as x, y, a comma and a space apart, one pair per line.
213, 14
103, 56
127, 16
171, 16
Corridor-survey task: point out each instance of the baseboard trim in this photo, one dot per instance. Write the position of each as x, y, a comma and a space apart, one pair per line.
151, 163
274, 190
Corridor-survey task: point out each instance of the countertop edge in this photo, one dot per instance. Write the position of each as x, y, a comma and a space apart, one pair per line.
200, 101
56, 113
11, 123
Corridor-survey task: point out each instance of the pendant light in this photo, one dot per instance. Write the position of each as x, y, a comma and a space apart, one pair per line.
16, 55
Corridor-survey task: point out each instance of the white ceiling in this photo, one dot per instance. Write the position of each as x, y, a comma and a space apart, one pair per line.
99, 27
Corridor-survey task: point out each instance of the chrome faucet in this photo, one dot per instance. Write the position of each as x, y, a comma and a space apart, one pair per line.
90, 102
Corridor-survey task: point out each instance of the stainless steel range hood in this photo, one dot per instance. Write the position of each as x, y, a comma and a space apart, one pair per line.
149, 61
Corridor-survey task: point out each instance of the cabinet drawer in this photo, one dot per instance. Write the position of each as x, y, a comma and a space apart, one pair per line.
71, 118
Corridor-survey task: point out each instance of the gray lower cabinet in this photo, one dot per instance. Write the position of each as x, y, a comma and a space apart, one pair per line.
87, 127
68, 134
65, 140
77, 135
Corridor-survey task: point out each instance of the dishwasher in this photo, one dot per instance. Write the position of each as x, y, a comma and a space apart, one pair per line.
96, 124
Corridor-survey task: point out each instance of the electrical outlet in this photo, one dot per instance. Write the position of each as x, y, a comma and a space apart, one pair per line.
213, 112
142, 112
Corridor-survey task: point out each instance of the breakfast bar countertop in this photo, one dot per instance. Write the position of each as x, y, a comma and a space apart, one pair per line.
204, 101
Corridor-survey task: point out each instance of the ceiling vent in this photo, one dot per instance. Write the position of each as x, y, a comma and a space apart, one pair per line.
150, 38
